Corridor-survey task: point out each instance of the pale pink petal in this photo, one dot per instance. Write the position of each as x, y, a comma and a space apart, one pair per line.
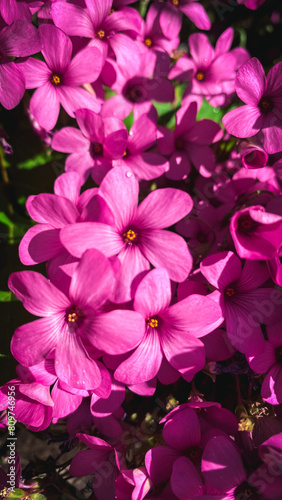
36, 72
56, 47
84, 373
120, 190
93, 267
85, 67
45, 106
72, 19
38, 295
69, 140
168, 250
153, 294
197, 14
221, 269
245, 121
74, 98
136, 369
163, 208
40, 243
32, 342
250, 82
133, 263
77, 238
117, 331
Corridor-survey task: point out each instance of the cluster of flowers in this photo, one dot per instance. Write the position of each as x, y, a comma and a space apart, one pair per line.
126, 302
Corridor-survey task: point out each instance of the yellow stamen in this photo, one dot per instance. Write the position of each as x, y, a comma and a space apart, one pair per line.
152, 322
148, 42
175, 2
129, 236
100, 34
200, 76
55, 79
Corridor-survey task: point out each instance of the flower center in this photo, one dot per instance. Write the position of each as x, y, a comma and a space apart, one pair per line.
278, 354
129, 236
73, 314
179, 143
194, 454
100, 34
265, 104
175, 2
200, 76
229, 291
55, 79
152, 322
96, 149
246, 491
134, 94
148, 42
246, 224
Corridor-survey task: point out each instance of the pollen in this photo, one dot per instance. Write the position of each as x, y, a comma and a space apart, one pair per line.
152, 322
229, 291
73, 315
100, 34
148, 42
175, 2
129, 236
200, 76
55, 79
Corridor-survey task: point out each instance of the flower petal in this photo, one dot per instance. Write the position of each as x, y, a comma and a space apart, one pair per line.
250, 82
45, 106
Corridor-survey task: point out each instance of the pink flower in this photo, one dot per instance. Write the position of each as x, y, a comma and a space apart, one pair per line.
257, 234
244, 305
269, 361
210, 72
58, 79
20, 39
251, 4
189, 143
137, 234
103, 27
171, 17
73, 325
171, 331
263, 109
94, 146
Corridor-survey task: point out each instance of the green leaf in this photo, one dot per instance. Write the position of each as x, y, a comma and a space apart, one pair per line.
211, 113
128, 122
38, 496
5, 296
16, 494
5, 220
40, 159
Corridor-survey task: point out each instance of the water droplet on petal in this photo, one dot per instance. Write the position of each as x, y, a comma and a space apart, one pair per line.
128, 174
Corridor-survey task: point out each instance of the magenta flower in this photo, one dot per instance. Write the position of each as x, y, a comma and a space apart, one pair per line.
189, 143
251, 4
20, 39
70, 324
270, 363
171, 331
171, 17
103, 27
94, 146
92, 461
210, 72
137, 92
256, 234
33, 404
151, 33
137, 235
12, 10
144, 164
59, 78
244, 305
263, 109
